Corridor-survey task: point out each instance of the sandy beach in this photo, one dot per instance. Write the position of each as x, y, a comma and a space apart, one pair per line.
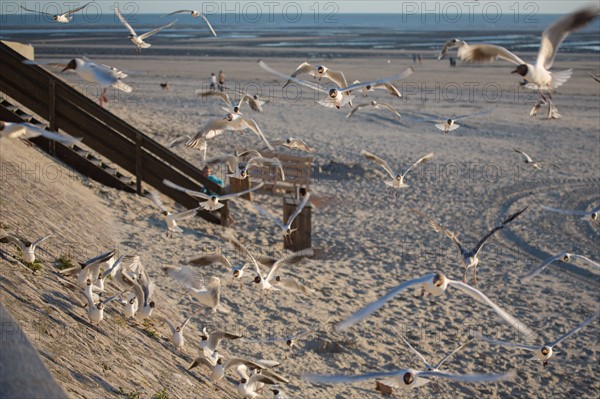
372, 239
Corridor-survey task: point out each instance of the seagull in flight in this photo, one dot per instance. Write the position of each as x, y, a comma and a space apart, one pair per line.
318, 71
591, 215
195, 14
176, 331
139, 40
429, 367
62, 18
398, 179
339, 96
564, 257
257, 162
24, 131
536, 164
544, 352
286, 228
293, 143
448, 125
253, 101
470, 257
536, 76
373, 104
434, 284
213, 201
385, 86
170, 217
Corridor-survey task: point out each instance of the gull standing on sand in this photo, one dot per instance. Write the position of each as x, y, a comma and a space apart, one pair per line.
586, 215
538, 76
212, 201
293, 143
564, 257
170, 217
535, 164
26, 247
340, 96
448, 125
25, 131
470, 257
376, 105
544, 352
95, 311
139, 40
286, 228
195, 14
398, 181
62, 18
176, 331
435, 284
319, 71
248, 387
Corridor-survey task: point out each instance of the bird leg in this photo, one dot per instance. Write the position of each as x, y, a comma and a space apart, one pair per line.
553, 111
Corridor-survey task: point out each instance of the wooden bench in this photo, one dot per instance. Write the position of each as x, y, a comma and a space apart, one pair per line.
297, 170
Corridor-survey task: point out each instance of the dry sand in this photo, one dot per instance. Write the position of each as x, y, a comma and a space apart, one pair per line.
374, 241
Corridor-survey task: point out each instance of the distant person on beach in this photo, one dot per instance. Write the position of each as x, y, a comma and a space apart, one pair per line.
414, 58
213, 81
207, 172
221, 80
420, 58
452, 62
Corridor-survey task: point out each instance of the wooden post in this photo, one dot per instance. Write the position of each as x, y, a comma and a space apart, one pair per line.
225, 215
138, 162
236, 185
52, 112
301, 238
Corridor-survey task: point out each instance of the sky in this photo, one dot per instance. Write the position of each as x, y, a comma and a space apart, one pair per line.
322, 7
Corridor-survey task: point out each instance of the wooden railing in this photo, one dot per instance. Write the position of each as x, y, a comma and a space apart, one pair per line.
67, 109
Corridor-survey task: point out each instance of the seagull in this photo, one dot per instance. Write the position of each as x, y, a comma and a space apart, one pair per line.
591, 215
62, 18
429, 367
248, 386
544, 352
24, 131
374, 104
171, 218
242, 173
231, 121
95, 311
293, 144
195, 14
408, 378
26, 247
90, 269
286, 228
435, 284
563, 256
529, 161
139, 40
470, 257
199, 143
319, 71
212, 201
176, 331
208, 294
386, 86
209, 343
536, 76
143, 288
291, 340
398, 181
277, 394
219, 367
273, 281
448, 125
340, 96
253, 101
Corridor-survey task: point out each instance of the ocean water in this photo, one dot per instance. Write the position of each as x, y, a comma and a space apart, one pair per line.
309, 29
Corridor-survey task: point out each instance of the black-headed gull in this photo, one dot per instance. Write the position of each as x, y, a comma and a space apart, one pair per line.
535, 164
24, 131
258, 162
176, 331
26, 247
339, 96
293, 143
319, 71
470, 257
209, 342
286, 228
170, 217
272, 280
373, 104
385, 86
248, 387
398, 181
564, 257
207, 293
544, 352
220, 366
591, 215
449, 124
231, 121
536, 76
435, 284
195, 14
236, 108
95, 311
212, 200
144, 289
136, 39
62, 18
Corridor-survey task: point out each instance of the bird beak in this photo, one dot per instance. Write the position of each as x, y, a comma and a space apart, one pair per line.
515, 71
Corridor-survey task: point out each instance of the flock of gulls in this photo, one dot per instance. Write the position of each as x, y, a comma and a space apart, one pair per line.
133, 287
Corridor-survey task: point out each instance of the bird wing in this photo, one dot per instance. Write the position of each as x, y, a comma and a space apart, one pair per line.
291, 258
40, 240
301, 206
405, 73
392, 109
469, 378
32, 131
234, 362
337, 77
177, 12
527, 157
178, 141
310, 85
553, 35
155, 31
372, 307
185, 322
440, 229
186, 214
76, 9
472, 115
215, 339
305, 67
576, 329
193, 193
356, 108
441, 362
252, 125
37, 12
349, 379
565, 211
372, 157
124, 21
201, 360
154, 196
254, 105
266, 213
478, 295
165, 320
210, 259
509, 344
293, 285
541, 267
260, 161
482, 53
424, 159
392, 89
586, 259
495, 229
221, 94
417, 353
9, 239
209, 25
240, 193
